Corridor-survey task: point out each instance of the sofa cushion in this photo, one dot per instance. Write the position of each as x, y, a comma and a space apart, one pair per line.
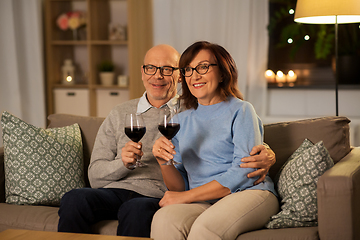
89, 127
41, 218
303, 233
285, 137
41, 165
297, 186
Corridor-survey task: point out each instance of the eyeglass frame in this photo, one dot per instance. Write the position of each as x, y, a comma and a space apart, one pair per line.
160, 68
182, 70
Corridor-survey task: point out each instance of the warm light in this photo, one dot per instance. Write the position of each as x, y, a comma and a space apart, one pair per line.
290, 40
270, 76
291, 76
307, 37
280, 77
328, 19
68, 78
325, 11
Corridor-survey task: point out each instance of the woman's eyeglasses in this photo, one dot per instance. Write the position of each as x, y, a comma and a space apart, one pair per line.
200, 69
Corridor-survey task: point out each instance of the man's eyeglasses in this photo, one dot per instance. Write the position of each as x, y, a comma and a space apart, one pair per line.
200, 69
164, 70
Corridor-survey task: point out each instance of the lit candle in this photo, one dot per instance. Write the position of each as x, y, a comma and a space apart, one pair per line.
291, 76
270, 76
280, 77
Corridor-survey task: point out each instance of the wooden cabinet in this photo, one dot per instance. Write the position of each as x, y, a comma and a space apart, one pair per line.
88, 46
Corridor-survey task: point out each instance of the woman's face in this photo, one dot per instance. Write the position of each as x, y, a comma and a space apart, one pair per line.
204, 87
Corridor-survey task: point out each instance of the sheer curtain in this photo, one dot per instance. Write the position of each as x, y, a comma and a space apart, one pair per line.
22, 91
239, 26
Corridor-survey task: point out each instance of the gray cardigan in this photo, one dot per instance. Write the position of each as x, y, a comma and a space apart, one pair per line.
106, 169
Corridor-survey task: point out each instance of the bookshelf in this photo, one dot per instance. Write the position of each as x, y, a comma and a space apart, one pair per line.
92, 46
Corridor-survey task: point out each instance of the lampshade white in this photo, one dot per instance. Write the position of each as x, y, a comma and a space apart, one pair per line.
326, 11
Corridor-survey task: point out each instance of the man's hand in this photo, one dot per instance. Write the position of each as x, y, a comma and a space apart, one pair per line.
261, 158
130, 152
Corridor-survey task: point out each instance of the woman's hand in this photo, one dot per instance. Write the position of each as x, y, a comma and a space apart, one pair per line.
208, 191
172, 197
163, 150
130, 152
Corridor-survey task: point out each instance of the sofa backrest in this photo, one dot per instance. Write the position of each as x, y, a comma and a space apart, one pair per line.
89, 127
285, 137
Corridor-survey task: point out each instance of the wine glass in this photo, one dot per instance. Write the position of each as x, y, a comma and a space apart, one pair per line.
135, 130
169, 125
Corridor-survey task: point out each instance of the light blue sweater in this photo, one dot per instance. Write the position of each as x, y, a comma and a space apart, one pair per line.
212, 141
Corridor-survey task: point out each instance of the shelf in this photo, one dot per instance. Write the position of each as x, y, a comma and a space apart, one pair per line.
97, 86
70, 86
108, 42
68, 42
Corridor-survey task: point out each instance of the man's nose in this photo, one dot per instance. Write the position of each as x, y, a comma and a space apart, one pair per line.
158, 73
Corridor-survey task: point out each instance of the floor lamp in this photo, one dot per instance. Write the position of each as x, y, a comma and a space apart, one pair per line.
329, 12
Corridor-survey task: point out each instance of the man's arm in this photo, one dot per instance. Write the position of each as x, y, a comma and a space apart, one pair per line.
106, 165
262, 158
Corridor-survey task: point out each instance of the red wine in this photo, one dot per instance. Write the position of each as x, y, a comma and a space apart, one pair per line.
170, 130
136, 134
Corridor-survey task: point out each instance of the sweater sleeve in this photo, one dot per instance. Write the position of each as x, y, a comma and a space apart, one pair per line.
106, 165
247, 132
179, 166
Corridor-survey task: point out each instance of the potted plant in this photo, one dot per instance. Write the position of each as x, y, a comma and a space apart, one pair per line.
106, 72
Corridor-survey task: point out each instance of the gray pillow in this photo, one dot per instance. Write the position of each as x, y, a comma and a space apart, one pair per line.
297, 186
41, 165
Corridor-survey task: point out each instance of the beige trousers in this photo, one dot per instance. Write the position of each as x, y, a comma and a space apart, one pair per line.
226, 219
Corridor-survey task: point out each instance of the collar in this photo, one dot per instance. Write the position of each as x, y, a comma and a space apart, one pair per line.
144, 105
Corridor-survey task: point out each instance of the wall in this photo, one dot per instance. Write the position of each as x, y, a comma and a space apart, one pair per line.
292, 104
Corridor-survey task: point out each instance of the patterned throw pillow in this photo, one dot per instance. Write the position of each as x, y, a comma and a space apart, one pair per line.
297, 186
41, 165
305, 145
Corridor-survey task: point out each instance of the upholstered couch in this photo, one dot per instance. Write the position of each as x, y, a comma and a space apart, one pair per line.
338, 190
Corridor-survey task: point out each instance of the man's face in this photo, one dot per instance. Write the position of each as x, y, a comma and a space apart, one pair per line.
159, 88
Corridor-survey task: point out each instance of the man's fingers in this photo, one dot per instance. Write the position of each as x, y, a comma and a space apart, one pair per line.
261, 179
256, 173
254, 165
248, 159
257, 149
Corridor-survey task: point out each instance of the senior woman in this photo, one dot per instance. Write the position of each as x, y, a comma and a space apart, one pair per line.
209, 196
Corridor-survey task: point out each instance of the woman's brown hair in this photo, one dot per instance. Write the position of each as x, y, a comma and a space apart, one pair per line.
227, 67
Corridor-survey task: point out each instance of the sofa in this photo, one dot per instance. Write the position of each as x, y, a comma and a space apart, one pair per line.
338, 189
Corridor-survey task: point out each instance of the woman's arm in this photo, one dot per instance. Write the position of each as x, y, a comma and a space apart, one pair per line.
209, 191
163, 151
261, 158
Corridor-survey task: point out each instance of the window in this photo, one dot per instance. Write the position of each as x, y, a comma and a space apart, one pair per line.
308, 49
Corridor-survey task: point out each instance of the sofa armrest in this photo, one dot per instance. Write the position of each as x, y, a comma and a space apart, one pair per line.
338, 193
2, 176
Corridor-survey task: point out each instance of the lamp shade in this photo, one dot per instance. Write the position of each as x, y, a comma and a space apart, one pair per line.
326, 11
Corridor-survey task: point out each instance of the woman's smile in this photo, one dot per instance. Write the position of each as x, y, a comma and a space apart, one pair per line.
204, 86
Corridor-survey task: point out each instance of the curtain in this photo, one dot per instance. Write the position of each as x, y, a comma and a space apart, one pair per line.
239, 26
22, 91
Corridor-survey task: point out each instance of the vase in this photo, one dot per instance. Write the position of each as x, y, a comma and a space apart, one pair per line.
107, 78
